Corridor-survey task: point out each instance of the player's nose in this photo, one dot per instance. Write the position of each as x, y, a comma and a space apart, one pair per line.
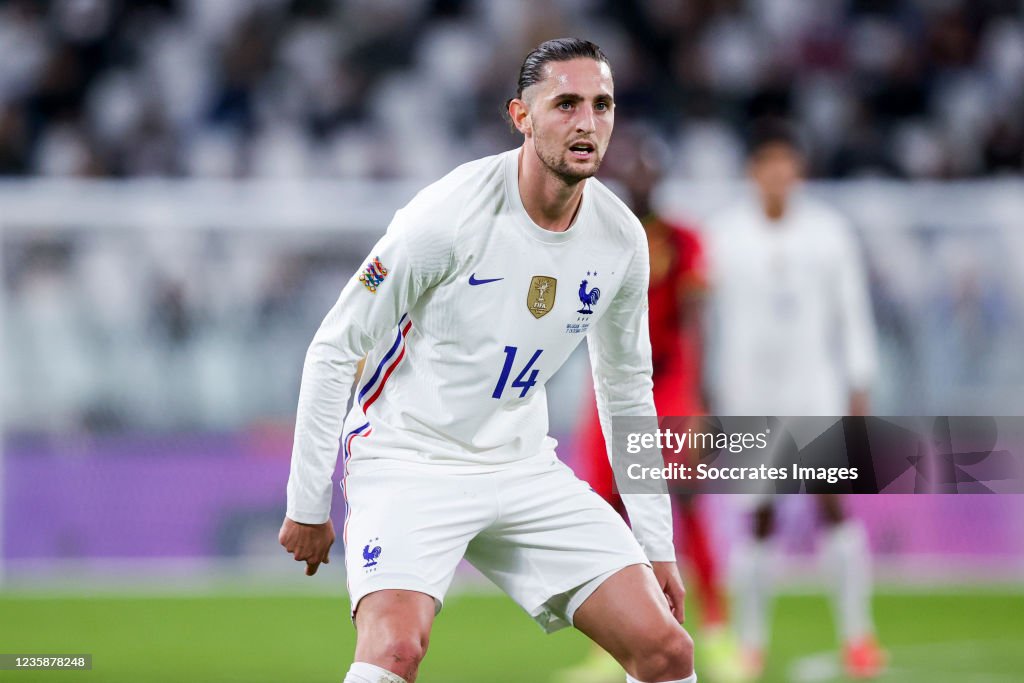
587, 121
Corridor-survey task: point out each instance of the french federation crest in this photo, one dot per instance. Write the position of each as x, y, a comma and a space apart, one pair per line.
541, 297
588, 297
371, 554
373, 275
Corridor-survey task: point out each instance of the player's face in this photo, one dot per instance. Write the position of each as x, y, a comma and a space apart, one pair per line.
776, 169
571, 115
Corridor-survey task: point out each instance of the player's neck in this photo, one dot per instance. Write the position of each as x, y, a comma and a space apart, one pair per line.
774, 208
549, 201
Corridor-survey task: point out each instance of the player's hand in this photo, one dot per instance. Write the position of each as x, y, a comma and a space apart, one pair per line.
667, 574
309, 543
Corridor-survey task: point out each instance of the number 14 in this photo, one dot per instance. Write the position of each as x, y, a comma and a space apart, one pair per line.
521, 381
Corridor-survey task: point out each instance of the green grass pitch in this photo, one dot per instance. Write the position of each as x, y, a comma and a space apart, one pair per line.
951, 637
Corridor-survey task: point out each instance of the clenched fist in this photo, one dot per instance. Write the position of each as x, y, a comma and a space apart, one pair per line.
309, 543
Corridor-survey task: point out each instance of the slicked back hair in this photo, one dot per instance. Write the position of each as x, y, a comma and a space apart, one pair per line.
557, 50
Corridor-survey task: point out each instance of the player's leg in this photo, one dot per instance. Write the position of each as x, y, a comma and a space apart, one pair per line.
592, 466
600, 666
555, 544
400, 560
628, 616
753, 588
697, 548
392, 633
847, 562
721, 657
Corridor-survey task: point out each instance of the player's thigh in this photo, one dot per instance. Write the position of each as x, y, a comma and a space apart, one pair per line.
629, 616
553, 538
407, 530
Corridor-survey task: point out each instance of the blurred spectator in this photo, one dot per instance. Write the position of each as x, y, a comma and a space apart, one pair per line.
381, 89
277, 88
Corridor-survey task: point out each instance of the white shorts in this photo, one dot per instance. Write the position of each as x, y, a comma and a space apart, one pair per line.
539, 533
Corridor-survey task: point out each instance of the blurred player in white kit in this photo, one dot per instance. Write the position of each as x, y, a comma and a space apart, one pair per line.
791, 333
482, 287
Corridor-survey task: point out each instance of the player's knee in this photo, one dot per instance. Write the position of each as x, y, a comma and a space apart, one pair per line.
400, 654
405, 655
393, 630
394, 645
666, 655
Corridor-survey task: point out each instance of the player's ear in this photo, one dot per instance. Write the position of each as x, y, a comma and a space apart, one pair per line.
519, 113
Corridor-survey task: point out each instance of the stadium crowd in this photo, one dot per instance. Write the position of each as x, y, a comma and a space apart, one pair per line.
406, 88
107, 330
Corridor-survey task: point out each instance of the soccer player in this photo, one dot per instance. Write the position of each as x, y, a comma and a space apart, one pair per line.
482, 287
793, 335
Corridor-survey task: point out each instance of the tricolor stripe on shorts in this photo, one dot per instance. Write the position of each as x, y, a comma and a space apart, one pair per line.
362, 430
372, 389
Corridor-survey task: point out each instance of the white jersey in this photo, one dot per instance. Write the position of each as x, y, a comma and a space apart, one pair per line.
464, 310
791, 330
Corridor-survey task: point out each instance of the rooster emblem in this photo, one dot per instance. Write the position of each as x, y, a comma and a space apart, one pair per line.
588, 298
371, 555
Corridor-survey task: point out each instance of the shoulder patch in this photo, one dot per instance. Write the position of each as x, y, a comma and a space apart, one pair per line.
373, 275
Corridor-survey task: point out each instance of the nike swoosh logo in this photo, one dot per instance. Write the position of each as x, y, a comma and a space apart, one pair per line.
474, 282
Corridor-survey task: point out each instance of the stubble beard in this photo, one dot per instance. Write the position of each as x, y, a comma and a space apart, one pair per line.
562, 169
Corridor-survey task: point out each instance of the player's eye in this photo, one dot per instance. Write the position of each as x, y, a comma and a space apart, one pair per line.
601, 106
565, 106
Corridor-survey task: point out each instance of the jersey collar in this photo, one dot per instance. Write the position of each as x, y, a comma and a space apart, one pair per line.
578, 226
